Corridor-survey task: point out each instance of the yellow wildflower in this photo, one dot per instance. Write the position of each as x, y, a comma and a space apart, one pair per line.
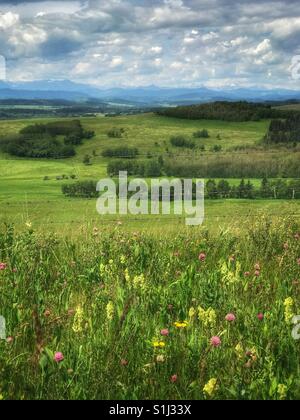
192, 312
110, 311
288, 312
179, 324
102, 269
111, 262
282, 391
123, 259
127, 276
208, 317
211, 386
239, 350
139, 282
78, 320
159, 344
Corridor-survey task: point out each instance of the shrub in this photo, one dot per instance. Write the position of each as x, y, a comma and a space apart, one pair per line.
181, 141
201, 134
82, 189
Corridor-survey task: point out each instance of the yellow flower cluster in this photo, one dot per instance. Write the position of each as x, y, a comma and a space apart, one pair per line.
288, 311
78, 320
139, 282
239, 351
211, 387
208, 318
282, 391
181, 325
127, 276
110, 311
192, 313
159, 344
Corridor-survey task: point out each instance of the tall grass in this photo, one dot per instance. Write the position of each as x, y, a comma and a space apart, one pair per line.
103, 301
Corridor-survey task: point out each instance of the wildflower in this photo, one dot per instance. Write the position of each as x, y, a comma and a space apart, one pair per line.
257, 267
111, 262
160, 358
208, 317
215, 341
232, 258
164, 332
170, 307
286, 246
257, 273
123, 259
230, 318
288, 312
192, 312
202, 257
297, 236
102, 269
110, 311
78, 320
247, 273
174, 378
159, 344
211, 386
181, 325
127, 276
3, 266
124, 362
58, 357
10, 340
239, 350
282, 391
139, 282
260, 316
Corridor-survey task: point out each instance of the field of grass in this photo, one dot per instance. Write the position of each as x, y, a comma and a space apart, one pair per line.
117, 315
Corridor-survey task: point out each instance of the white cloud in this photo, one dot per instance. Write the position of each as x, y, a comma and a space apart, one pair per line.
7, 20
116, 62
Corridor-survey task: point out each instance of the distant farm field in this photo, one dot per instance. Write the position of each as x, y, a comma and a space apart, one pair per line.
26, 197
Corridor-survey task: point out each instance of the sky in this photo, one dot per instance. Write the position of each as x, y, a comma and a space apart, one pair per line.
171, 43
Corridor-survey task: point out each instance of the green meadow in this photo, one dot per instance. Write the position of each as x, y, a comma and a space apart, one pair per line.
26, 198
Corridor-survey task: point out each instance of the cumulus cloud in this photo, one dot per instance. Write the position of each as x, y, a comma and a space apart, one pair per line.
163, 42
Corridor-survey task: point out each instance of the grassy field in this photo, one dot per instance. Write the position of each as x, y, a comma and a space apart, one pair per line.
26, 197
117, 315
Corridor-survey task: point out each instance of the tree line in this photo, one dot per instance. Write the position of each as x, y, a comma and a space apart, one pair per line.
225, 111
214, 189
284, 131
239, 165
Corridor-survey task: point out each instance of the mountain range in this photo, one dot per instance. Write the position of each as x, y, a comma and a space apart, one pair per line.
142, 96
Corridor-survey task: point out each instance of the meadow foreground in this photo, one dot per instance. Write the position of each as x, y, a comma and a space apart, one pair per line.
120, 315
